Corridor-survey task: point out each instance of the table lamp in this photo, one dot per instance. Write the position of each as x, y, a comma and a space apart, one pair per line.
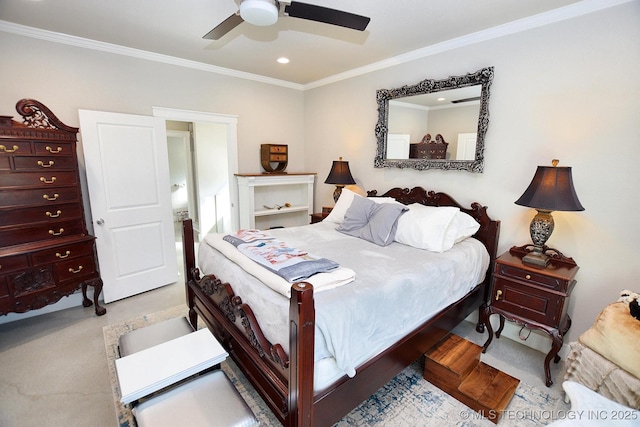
340, 175
551, 189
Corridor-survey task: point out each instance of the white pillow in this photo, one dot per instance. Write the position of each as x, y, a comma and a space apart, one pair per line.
344, 203
462, 227
426, 227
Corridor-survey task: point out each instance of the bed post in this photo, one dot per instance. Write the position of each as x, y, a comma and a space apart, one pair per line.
301, 349
188, 246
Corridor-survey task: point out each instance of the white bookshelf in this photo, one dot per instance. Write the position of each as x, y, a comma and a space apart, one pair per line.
262, 199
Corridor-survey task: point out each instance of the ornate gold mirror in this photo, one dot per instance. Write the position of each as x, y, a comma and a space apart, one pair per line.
435, 124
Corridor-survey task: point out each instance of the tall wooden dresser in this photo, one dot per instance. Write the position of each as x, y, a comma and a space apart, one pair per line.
46, 252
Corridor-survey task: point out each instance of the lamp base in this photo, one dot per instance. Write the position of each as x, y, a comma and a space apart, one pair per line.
337, 192
536, 258
555, 256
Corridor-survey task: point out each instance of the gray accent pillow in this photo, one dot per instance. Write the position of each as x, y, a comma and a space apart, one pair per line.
374, 222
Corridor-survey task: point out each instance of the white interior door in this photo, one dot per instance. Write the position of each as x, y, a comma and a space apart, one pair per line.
466, 146
130, 196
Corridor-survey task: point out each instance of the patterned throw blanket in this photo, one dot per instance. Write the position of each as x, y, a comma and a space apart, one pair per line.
291, 264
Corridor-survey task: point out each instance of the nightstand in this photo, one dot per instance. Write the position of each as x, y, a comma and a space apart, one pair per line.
533, 297
319, 216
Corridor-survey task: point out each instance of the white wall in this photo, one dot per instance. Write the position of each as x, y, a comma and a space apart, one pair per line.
67, 78
569, 91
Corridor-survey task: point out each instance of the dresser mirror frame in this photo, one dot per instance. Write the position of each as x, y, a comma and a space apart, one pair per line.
482, 77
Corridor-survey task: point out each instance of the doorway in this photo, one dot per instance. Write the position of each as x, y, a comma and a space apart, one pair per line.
200, 187
206, 161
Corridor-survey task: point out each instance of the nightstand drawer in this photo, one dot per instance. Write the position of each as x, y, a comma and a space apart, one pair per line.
531, 277
528, 302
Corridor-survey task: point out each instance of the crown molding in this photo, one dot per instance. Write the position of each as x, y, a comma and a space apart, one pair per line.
561, 14
50, 36
567, 12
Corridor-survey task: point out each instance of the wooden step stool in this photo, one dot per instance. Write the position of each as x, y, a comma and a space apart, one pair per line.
453, 365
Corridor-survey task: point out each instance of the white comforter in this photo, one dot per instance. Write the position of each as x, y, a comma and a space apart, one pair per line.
397, 288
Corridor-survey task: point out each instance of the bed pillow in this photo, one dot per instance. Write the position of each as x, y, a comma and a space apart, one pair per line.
344, 202
463, 226
371, 221
426, 227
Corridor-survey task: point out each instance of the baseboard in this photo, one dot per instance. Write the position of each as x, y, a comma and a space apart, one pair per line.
73, 300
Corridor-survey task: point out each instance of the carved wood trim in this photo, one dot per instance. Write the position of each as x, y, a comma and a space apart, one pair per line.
242, 315
37, 115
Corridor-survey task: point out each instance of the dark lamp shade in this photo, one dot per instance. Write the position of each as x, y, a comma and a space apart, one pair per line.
551, 189
340, 174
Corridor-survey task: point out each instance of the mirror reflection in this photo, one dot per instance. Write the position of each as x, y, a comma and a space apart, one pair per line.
415, 120
436, 124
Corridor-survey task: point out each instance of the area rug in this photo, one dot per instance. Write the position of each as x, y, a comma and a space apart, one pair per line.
408, 400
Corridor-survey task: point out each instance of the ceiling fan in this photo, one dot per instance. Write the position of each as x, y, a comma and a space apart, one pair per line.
265, 12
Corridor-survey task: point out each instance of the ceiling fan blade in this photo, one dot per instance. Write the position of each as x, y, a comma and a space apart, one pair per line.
326, 15
224, 27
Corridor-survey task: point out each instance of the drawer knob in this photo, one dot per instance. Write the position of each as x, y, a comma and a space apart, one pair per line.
71, 270
66, 254
498, 294
41, 163
51, 198
54, 215
48, 181
528, 277
54, 233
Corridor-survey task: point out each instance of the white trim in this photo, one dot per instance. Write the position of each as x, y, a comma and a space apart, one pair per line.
563, 13
194, 116
72, 301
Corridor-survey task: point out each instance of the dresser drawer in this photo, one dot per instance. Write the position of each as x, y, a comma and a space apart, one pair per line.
527, 302
38, 179
63, 252
39, 214
64, 148
45, 197
532, 277
5, 163
44, 163
52, 231
15, 147
75, 269
13, 263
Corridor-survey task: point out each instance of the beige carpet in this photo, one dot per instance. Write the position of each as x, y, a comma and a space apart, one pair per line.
408, 400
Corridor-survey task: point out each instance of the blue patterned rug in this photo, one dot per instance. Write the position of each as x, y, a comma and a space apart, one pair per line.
406, 401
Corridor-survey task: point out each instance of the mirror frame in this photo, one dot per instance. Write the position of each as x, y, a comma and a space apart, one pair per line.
482, 77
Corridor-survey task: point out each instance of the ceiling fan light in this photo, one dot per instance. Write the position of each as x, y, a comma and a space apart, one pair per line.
259, 12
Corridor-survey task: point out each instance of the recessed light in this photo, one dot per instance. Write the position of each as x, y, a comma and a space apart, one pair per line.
283, 60
441, 99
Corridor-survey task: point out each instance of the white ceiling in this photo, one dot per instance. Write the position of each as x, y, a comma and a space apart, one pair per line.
317, 51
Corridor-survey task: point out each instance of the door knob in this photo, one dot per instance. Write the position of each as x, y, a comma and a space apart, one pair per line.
100, 221
498, 294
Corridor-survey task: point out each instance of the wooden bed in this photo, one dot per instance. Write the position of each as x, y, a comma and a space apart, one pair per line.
286, 381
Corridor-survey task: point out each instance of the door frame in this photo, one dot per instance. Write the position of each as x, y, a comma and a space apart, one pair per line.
231, 123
